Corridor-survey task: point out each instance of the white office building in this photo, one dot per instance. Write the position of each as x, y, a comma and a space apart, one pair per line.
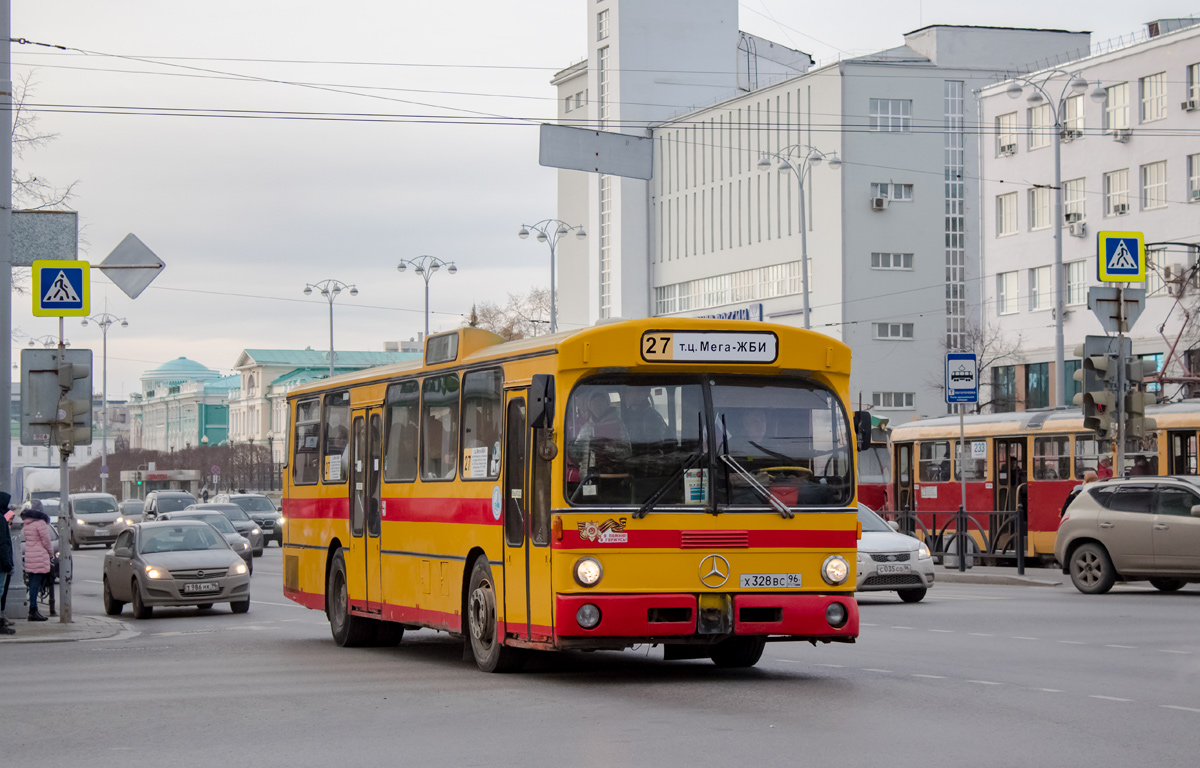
1129, 163
892, 234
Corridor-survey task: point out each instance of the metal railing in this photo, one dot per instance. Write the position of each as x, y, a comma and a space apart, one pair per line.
991, 536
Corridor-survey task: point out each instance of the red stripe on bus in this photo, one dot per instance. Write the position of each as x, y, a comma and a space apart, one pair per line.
314, 509
655, 539
421, 510
306, 599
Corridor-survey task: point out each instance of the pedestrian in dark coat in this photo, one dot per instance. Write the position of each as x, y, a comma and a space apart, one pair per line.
6, 561
39, 553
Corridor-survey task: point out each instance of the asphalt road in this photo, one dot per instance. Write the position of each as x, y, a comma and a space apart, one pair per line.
975, 675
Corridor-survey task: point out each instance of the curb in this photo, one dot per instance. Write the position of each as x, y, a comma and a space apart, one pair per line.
956, 577
82, 629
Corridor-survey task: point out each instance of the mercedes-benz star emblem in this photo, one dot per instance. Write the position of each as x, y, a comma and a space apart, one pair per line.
714, 571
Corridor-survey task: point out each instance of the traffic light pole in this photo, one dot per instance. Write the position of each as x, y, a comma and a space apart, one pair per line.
1119, 468
64, 521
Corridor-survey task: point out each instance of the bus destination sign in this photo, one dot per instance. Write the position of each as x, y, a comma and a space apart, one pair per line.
709, 346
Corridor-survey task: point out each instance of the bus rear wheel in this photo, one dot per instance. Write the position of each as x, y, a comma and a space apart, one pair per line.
349, 631
738, 652
491, 655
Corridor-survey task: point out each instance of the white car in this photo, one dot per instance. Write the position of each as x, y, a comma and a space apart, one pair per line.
891, 561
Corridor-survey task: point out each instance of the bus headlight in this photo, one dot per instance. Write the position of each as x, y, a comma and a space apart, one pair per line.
588, 571
835, 570
588, 616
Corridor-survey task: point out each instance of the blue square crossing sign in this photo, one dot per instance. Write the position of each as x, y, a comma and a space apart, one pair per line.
1121, 257
61, 289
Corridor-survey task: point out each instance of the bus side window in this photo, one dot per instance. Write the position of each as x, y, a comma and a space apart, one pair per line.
439, 424
337, 438
402, 411
481, 416
306, 464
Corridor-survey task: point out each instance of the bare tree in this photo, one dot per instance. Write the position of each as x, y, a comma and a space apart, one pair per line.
523, 315
991, 348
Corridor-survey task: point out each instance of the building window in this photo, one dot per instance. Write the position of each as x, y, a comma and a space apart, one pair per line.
602, 83
602, 25
1006, 293
1156, 263
1006, 134
747, 285
1116, 193
1037, 385
1041, 289
1074, 201
1004, 388
1039, 208
892, 261
1006, 214
893, 401
605, 246
1193, 82
1154, 97
1116, 108
20, 450
1041, 126
1076, 282
893, 330
1193, 166
1073, 114
891, 115
1154, 185
894, 192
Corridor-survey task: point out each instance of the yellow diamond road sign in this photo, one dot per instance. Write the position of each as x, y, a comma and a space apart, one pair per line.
61, 289
1121, 257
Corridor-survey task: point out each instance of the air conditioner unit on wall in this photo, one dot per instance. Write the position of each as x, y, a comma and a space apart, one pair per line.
1073, 217
1196, 194
1120, 209
879, 203
1008, 149
1122, 134
1070, 134
1191, 105
1077, 229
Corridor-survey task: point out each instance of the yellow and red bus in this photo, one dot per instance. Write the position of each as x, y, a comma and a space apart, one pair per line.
1035, 457
680, 482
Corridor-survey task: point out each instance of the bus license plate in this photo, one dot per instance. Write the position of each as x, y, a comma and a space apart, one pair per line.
886, 568
204, 586
770, 580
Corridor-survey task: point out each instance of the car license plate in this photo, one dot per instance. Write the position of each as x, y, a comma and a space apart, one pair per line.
101, 531
770, 580
892, 568
202, 586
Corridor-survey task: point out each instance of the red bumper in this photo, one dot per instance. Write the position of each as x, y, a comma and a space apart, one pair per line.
639, 616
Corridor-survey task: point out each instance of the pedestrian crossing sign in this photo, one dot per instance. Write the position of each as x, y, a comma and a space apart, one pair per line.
1121, 257
61, 289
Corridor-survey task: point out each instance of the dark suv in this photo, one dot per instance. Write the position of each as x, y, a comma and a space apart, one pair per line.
165, 501
261, 511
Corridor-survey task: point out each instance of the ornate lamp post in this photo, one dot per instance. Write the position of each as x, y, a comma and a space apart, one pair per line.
549, 231
330, 290
425, 266
105, 321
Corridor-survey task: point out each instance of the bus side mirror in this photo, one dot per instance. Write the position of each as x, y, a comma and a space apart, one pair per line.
541, 401
862, 429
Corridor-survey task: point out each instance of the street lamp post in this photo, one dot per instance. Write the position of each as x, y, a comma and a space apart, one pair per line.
799, 158
425, 266
49, 342
549, 231
105, 321
330, 290
1075, 85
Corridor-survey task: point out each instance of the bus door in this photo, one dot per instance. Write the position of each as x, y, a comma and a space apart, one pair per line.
527, 589
1183, 452
903, 477
1009, 472
365, 519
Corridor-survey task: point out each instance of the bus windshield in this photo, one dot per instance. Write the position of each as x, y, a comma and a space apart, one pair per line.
632, 438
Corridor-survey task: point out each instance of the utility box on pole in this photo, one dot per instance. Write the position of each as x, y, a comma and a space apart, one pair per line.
56, 397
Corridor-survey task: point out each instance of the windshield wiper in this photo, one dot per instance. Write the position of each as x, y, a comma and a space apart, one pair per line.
758, 487
650, 503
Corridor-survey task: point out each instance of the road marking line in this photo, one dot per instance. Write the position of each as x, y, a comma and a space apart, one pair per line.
283, 605
1071, 642
1107, 698
1160, 650
791, 661
865, 624
980, 634
885, 671
1185, 709
91, 581
901, 627
1025, 638
984, 682
1048, 690
1130, 647
947, 631
833, 666
932, 677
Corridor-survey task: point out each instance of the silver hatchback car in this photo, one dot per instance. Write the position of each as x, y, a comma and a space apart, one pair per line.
1129, 529
891, 561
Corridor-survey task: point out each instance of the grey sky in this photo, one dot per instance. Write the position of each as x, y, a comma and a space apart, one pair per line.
245, 211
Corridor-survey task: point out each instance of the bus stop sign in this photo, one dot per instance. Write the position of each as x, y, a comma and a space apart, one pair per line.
962, 377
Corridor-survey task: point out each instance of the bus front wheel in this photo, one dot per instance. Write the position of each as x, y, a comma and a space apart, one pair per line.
349, 631
490, 653
738, 652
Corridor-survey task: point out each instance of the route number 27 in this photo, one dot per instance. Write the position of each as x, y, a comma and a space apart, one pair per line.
657, 347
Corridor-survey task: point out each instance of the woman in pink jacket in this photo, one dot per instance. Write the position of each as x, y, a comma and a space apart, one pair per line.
39, 553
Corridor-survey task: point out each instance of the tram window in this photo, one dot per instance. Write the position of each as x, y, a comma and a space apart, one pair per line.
439, 436
934, 463
1087, 454
976, 468
306, 460
337, 437
481, 417
1051, 458
1141, 455
403, 408
873, 465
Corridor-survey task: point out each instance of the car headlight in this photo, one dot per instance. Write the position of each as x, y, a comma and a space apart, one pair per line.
282, 519
152, 572
835, 570
120, 521
255, 531
588, 571
237, 570
243, 545
922, 551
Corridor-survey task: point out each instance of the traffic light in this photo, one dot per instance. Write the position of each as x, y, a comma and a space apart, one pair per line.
1136, 423
56, 397
1098, 374
74, 422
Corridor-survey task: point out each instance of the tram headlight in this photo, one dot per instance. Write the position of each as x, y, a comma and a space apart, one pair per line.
588, 616
835, 570
588, 571
922, 551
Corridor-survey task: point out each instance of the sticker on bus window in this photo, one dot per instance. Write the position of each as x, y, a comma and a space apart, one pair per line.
497, 498
695, 486
333, 469
478, 463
